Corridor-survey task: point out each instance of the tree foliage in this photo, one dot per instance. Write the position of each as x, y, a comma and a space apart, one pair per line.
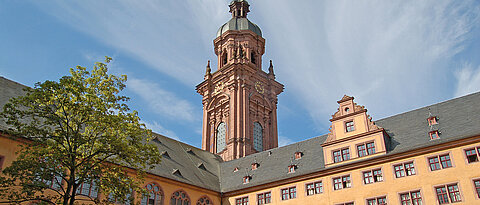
77, 131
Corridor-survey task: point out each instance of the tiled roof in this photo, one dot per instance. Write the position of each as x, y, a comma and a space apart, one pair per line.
457, 118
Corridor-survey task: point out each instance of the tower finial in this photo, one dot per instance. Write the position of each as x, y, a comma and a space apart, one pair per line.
239, 8
208, 70
270, 71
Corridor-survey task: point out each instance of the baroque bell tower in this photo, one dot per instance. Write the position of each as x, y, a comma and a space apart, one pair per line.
239, 98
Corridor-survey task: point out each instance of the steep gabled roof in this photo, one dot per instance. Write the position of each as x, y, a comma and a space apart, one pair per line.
457, 118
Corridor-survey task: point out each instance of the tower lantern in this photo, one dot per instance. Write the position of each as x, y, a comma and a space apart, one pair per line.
239, 98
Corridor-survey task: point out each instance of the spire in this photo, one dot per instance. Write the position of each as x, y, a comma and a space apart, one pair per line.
208, 71
271, 75
239, 8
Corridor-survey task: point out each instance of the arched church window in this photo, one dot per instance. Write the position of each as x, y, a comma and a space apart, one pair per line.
154, 195
252, 57
179, 198
204, 201
257, 136
225, 59
221, 134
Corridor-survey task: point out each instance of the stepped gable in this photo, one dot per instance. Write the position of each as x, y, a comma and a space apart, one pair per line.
457, 119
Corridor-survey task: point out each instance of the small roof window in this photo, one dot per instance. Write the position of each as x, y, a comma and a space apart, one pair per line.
434, 135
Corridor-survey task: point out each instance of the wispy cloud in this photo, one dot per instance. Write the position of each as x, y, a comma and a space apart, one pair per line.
163, 34
468, 80
161, 101
282, 141
385, 53
157, 128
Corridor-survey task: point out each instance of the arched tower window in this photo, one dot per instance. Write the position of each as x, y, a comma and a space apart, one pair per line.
155, 195
257, 136
221, 133
225, 58
179, 198
252, 57
204, 201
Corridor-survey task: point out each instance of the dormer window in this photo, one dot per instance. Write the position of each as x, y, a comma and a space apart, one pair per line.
235, 169
246, 179
434, 135
349, 126
432, 120
255, 166
298, 155
292, 168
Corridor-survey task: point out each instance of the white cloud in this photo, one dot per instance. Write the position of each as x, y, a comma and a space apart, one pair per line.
161, 101
385, 53
157, 128
283, 141
468, 80
167, 35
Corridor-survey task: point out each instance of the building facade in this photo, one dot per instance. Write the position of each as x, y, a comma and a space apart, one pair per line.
427, 156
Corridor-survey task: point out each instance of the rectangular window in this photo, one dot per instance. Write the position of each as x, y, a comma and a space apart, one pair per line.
448, 194
241, 201
411, 198
341, 155
345, 154
348, 203
377, 201
337, 156
289, 193
342, 182
349, 126
314, 188
471, 155
366, 149
477, 187
372, 176
434, 135
432, 120
88, 189
361, 150
371, 148
434, 163
264, 198
439, 162
445, 160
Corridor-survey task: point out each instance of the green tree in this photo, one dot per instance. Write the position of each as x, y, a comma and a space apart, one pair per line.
77, 131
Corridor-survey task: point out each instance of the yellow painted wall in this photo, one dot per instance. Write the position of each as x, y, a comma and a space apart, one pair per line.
8, 148
424, 180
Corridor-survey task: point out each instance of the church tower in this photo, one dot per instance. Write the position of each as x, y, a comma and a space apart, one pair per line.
239, 98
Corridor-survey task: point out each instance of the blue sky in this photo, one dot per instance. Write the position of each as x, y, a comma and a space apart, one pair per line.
392, 56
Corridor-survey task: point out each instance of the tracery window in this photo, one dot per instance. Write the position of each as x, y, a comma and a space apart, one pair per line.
179, 198
221, 134
155, 195
257, 136
204, 201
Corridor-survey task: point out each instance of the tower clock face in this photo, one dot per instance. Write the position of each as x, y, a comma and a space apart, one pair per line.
259, 87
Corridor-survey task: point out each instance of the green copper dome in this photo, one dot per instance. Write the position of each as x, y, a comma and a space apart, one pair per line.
239, 24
